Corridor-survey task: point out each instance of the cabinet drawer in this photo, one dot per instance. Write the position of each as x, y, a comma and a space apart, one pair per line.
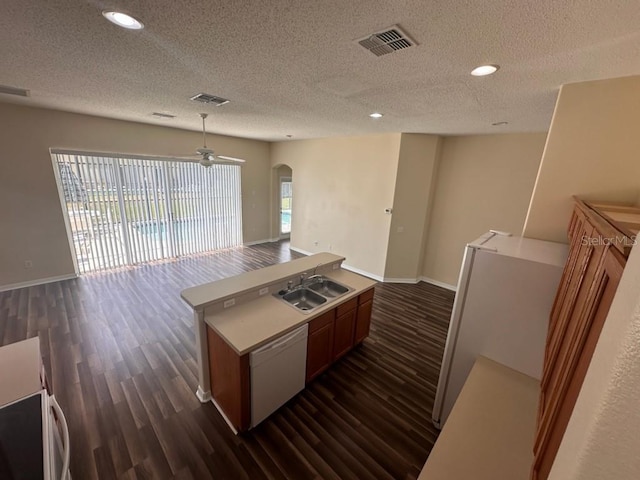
365, 296
346, 307
322, 321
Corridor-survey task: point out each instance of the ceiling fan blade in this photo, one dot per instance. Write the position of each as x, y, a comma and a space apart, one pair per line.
230, 159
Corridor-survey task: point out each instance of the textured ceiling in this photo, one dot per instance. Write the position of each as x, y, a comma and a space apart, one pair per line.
293, 68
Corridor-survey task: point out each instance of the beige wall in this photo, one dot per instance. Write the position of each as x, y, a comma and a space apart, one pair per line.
415, 179
31, 222
601, 440
484, 182
592, 151
341, 187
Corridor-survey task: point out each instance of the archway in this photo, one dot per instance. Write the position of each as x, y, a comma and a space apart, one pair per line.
282, 200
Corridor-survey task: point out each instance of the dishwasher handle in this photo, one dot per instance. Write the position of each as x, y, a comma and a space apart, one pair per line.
280, 343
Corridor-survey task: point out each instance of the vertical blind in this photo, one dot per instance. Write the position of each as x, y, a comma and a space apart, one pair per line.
126, 210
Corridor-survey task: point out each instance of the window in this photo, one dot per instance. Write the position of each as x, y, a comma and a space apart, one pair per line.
124, 210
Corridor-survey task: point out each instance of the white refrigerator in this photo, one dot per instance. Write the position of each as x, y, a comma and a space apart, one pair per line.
505, 292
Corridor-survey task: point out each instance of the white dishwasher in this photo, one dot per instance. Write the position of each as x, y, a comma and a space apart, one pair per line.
277, 373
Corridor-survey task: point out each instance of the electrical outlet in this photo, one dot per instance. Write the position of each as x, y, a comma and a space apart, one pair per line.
264, 291
400, 229
28, 264
329, 247
229, 303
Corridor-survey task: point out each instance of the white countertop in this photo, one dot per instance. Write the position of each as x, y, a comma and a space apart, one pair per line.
202, 295
250, 325
490, 431
20, 368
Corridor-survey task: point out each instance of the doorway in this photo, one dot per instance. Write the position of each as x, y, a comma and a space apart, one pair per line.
286, 204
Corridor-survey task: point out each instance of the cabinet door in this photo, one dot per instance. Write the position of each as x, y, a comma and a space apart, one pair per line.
343, 335
363, 321
320, 345
574, 342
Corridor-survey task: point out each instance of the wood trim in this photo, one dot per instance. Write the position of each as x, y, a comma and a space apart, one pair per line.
608, 228
230, 381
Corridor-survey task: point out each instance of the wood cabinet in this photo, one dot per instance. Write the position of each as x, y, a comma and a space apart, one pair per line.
363, 317
598, 250
230, 380
345, 328
331, 335
334, 333
320, 344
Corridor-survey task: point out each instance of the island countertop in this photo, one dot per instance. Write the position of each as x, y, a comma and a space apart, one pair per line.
201, 296
250, 325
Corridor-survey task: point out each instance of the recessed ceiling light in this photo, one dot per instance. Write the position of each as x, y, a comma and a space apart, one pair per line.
123, 20
483, 70
376, 115
497, 124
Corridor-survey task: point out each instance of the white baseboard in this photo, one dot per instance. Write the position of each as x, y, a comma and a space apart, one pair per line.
438, 283
40, 281
258, 242
372, 275
401, 280
299, 250
363, 273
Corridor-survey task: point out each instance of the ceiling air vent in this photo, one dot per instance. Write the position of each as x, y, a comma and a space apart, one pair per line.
209, 99
386, 41
21, 92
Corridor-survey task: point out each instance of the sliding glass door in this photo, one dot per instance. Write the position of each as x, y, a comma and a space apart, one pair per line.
125, 210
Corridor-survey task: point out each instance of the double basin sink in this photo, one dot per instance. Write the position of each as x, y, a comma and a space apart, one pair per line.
312, 294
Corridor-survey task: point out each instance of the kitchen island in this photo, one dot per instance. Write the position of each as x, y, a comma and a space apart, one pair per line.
241, 315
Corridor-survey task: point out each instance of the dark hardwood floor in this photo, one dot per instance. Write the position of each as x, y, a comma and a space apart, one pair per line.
118, 349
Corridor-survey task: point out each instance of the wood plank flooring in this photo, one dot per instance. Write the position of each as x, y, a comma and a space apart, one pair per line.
119, 352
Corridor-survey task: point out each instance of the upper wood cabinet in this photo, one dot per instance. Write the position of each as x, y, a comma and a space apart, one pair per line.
599, 245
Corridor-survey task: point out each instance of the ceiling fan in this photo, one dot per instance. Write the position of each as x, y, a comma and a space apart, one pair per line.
207, 156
